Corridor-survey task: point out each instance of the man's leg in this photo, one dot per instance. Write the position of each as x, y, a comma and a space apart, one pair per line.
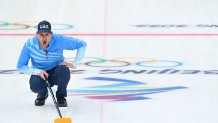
38, 85
60, 76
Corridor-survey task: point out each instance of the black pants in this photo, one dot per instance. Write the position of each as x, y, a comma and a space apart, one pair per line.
59, 76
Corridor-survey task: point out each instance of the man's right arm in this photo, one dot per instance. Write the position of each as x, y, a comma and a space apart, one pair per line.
22, 64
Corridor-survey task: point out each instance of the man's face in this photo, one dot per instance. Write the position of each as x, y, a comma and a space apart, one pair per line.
44, 39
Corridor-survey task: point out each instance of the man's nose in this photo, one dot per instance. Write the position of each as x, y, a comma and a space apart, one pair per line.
44, 38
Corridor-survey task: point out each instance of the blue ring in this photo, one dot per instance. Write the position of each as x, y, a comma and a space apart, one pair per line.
3, 23
20, 26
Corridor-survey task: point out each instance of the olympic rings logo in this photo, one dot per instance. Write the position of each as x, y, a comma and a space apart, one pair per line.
30, 24
128, 61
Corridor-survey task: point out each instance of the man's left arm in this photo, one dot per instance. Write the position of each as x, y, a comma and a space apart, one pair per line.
70, 43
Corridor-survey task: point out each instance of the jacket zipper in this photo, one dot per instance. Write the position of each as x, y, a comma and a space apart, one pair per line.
46, 55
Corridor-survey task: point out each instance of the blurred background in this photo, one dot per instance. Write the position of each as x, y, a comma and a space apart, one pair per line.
151, 61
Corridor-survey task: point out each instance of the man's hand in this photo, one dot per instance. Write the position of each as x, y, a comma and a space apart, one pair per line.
43, 74
69, 65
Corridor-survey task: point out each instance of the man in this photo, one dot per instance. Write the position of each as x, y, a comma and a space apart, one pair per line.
46, 53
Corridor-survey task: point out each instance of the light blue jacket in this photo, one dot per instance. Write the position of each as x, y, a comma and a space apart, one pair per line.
51, 57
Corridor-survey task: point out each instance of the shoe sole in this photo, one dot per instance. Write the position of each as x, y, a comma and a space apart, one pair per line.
62, 105
39, 104
43, 103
